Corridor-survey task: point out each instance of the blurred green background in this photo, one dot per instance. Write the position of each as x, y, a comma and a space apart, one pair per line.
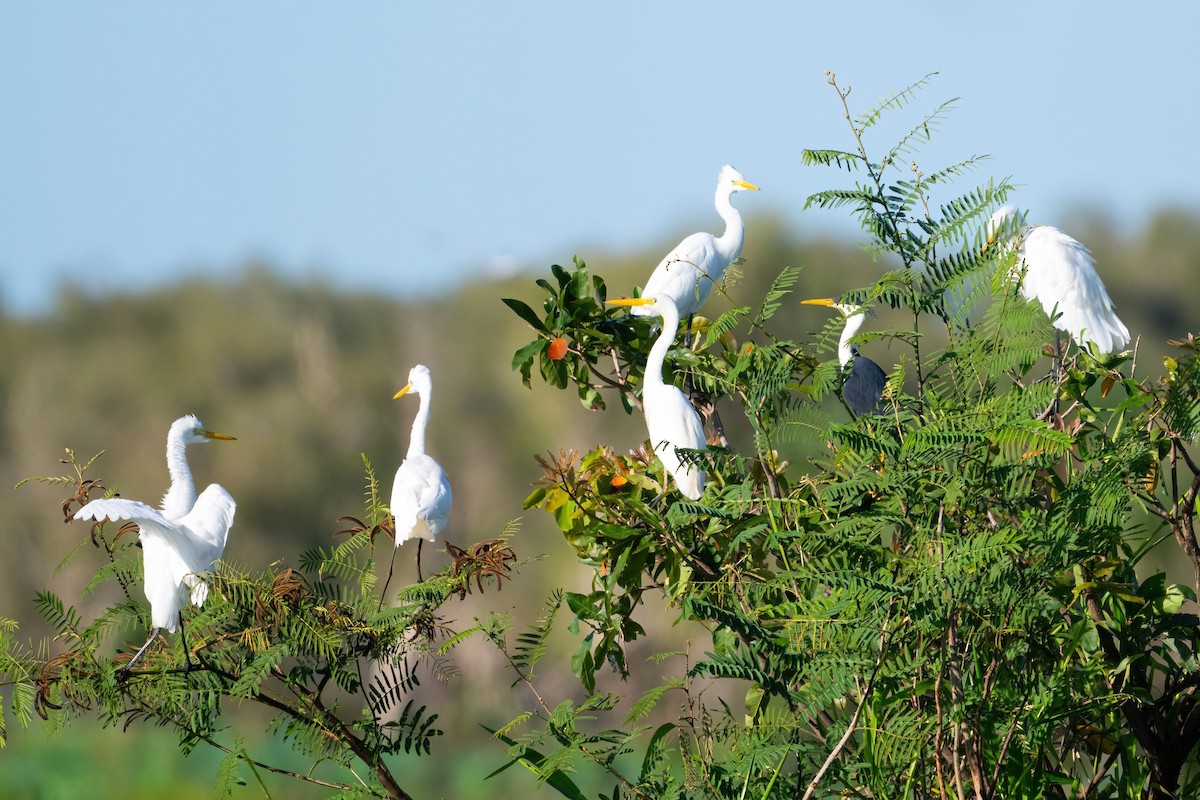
303, 376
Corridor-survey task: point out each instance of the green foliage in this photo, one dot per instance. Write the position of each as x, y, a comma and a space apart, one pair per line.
317, 649
949, 598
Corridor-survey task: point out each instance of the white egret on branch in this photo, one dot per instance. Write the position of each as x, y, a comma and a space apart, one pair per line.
863, 387
421, 495
1060, 273
180, 541
670, 418
689, 272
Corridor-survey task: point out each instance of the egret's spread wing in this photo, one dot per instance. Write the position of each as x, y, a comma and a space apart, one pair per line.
686, 275
420, 496
673, 423
204, 531
165, 553
1061, 275
115, 508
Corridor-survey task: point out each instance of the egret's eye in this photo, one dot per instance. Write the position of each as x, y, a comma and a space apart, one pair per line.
196, 431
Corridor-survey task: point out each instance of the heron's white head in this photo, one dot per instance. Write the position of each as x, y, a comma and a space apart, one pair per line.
731, 180
189, 430
847, 308
419, 382
855, 316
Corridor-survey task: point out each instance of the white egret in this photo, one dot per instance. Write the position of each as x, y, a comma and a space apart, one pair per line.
670, 418
1061, 275
180, 541
863, 387
689, 272
421, 495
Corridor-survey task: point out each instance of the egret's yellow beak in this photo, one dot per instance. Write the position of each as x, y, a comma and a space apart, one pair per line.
222, 436
631, 301
402, 392
820, 301
746, 185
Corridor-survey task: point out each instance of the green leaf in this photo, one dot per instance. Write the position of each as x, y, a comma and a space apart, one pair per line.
526, 313
523, 358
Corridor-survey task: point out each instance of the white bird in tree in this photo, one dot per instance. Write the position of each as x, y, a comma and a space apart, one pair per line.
670, 418
689, 272
1060, 273
421, 496
179, 541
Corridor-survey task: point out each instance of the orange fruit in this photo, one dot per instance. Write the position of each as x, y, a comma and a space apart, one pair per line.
557, 349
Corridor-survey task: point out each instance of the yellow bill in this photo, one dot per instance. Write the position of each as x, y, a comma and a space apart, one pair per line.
402, 392
631, 301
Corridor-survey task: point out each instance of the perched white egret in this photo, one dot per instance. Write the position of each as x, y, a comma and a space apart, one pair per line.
863, 387
180, 541
1061, 275
421, 496
670, 418
689, 272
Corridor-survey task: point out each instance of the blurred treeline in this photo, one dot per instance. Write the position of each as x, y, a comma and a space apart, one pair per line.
303, 376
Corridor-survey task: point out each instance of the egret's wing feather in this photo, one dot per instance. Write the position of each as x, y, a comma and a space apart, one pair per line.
421, 496
164, 554
1061, 275
115, 508
208, 524
686, 275
205, 530
673, 423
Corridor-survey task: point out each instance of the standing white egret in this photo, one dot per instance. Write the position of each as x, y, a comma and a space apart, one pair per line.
670, 418
689, 272
180, 541
863, 387
1061, 275
421, 495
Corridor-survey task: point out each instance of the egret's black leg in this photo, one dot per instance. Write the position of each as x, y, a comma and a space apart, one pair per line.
124, 671
419, 543
391, 566
687, 333
187, 656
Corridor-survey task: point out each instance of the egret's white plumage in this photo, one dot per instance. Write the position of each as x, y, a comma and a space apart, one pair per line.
1060, 273
689, 272
421, 497
863, 388
183, 539
671, 420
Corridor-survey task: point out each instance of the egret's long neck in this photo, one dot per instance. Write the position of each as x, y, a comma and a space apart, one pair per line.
658, 353
853, 323
416, 442
180, 498
730, 242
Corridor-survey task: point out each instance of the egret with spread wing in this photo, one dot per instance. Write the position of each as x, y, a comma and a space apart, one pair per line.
689, 272
670, 418
863, 387
1060, 273
179, 541
421, 495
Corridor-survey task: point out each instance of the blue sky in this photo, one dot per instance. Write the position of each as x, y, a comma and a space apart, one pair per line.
400, 147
